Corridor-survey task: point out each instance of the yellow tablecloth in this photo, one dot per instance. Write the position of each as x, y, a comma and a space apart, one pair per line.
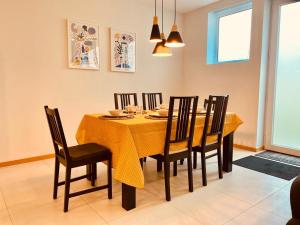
130, 140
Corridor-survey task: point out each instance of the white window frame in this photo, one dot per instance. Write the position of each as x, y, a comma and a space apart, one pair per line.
213, 31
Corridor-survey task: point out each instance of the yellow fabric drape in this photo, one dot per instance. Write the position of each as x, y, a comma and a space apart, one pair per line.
130, 140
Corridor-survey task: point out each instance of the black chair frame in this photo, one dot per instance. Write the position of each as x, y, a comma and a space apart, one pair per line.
124, 99
63, 156
216, 129
206, 103
150, 100
184, 133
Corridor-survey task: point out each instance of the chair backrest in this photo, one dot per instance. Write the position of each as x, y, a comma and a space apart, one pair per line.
218, 117
206, 103
150, 100
125, 100
57, 132
185, 121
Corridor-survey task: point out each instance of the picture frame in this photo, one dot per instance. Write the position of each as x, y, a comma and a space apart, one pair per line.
83, 45
123, 51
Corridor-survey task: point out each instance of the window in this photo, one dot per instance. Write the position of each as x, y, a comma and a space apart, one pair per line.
229, 34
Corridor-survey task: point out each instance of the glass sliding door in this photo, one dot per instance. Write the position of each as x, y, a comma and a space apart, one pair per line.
283, 116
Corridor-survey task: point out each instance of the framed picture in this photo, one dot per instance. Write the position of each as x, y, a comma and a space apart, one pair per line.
122, 51
83, 41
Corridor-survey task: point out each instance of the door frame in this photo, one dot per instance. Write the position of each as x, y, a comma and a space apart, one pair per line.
272, 70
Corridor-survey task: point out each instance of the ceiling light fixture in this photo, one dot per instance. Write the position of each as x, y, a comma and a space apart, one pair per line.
155, 32
174, 39
161, 50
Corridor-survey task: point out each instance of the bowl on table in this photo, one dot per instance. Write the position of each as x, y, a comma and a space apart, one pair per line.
163, 112
131, 108
116, 112
163, 106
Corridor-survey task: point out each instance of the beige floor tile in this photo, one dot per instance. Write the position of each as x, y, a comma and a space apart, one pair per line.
248, 185
112, 209
257, 216
210, 207
163, 214
52, 213
2, 202
240, 153
278, 203
27, 192
37, 188
12, 174
48, 162
5, 218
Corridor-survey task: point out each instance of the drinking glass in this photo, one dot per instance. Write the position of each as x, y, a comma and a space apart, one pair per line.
139, 111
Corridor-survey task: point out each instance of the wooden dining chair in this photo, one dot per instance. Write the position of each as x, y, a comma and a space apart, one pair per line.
124, 99
213, 128
151, 100
76, 156
183, 132
206, 103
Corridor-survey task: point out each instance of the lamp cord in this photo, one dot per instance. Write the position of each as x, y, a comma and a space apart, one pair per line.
175, 3
162, 15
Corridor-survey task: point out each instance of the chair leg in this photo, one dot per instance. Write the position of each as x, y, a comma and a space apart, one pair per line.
203, 164
67, 188
93, 171
195, 160
159, 165
190, 173
56, 176
167, 180
220, 166
181, 161
175, 168
109, 178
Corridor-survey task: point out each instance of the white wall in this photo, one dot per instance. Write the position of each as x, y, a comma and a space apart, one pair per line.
33, 68
243, 81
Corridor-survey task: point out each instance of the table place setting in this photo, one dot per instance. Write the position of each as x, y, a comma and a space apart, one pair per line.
160, 114
116, 115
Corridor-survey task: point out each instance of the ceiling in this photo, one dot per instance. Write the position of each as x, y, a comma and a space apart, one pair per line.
183, 6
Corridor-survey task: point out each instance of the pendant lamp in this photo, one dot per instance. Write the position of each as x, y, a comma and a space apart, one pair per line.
174, 39
161, 50
155, 32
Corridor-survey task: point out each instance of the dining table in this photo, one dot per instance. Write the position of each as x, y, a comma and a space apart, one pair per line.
135, 137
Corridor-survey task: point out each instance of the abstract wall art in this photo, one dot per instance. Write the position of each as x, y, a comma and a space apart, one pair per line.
83, 41
123, 46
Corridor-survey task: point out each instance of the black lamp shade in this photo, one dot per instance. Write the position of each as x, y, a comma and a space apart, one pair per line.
174, 39
160, 49
155, 33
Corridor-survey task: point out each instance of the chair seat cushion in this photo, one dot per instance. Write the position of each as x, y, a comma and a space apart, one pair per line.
87, 152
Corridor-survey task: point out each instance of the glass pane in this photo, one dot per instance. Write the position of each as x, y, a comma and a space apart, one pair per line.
235, 36
286, 120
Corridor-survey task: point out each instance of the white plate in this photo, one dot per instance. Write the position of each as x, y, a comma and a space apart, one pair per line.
157, 116
116, 116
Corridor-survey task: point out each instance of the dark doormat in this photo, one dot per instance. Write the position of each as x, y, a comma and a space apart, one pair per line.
276, 169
